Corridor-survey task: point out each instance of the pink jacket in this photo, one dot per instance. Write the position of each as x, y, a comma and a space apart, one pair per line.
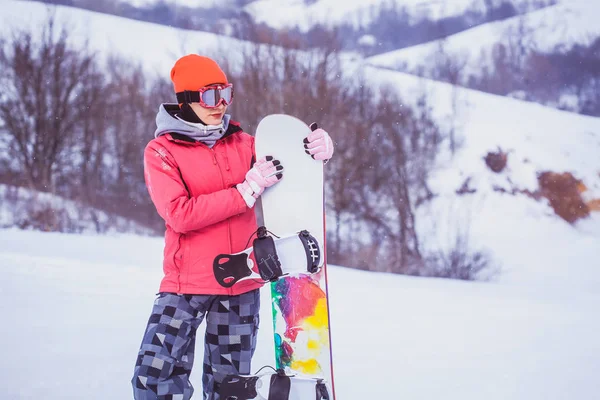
193, 189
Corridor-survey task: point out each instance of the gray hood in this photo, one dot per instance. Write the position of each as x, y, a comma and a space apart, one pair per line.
167, 121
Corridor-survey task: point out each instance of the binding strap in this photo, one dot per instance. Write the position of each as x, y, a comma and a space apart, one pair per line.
266, 257
280, 386
313, 252
238, 387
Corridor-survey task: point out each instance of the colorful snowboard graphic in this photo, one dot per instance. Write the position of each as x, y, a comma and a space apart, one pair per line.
299, 303
301, 324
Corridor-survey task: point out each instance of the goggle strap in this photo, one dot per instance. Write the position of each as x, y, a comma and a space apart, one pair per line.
188, 96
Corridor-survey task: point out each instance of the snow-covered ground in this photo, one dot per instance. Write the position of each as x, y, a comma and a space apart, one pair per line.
75, 307
566, 24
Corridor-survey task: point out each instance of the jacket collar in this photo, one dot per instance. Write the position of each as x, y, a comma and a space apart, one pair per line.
234, 127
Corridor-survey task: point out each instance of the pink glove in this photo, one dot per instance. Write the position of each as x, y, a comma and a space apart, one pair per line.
265, 173
318, 144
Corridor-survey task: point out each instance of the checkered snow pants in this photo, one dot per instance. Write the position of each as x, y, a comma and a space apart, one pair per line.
166, 356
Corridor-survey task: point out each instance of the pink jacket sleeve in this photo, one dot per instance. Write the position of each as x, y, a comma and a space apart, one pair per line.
171, 198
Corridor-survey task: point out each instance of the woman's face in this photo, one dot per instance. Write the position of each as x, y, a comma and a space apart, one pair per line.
210, 116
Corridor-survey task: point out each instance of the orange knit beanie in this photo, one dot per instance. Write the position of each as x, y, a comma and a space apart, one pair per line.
193, 72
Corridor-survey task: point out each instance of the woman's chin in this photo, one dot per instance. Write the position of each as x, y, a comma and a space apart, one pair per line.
213, 120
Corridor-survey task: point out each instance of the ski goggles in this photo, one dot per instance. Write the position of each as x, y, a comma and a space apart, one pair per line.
209, 96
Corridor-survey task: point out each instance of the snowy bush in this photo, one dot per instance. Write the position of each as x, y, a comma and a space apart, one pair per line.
496, 161
459, 262
32, 210
564, 194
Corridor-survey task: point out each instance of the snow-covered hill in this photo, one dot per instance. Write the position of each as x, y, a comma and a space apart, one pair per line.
519, 232
538, 138
296, 13
186, 3
75, 307
154, 46
564, 24
304, 14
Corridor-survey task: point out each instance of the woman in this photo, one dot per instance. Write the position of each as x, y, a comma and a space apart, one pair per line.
203, 177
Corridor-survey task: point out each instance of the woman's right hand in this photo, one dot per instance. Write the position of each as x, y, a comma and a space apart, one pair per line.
265, 173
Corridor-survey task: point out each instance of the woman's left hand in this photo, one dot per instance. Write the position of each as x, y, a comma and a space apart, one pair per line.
318, 145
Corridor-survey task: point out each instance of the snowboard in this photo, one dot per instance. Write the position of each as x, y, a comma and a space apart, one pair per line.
300, 303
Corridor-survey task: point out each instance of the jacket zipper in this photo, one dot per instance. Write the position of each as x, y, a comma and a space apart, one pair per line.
230, 290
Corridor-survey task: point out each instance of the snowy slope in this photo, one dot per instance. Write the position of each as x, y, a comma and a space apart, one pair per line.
282, 14
76, 306
186, 3
155, 46
566, 23
295, 13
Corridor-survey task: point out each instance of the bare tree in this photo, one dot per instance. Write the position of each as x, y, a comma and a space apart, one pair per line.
132, 101
449, 67
383, 158
407, 146
89, 139
284, 78
44, 80
73, 127
384, 149
354, 140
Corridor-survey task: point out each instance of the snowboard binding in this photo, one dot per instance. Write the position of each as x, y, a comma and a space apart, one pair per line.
275, 258
272, 386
